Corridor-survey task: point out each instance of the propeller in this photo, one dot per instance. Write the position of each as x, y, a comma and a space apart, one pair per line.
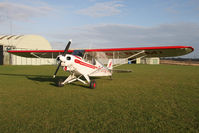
64, 53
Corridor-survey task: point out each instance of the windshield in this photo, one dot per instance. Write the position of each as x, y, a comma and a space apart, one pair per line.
78, 53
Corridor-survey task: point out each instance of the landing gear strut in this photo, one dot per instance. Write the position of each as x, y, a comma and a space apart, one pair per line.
73, 78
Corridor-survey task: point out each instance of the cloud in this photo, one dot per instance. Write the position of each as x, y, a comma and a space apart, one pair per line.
102, 9
121, 35
180, 7
21, 12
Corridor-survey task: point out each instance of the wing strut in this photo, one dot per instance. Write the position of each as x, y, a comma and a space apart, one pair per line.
140, 54
35, 55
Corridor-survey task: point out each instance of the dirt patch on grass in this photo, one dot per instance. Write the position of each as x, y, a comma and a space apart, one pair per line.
185, 63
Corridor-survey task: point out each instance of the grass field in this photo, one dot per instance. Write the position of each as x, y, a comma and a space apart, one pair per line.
153, 98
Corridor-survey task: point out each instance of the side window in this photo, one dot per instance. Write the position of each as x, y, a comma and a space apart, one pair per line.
68, 58
93, 61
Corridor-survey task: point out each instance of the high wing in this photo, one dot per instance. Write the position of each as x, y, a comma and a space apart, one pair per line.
38, 53
110, 53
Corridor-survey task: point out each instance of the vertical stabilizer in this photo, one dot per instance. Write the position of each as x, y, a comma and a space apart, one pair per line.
110, 64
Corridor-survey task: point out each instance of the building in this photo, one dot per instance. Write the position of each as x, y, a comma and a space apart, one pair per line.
24, 42
154, 60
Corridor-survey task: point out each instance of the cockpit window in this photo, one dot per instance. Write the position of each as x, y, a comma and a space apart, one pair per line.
78, 53
68, 58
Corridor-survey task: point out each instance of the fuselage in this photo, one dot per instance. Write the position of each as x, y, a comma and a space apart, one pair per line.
79, 66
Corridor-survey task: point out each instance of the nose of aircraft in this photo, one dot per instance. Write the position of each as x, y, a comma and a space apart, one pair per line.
64, 53
62, 58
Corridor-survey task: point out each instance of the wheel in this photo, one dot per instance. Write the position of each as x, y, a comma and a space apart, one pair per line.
93, 84
59, 83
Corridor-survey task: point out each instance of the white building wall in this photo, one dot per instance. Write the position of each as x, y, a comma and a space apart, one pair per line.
18, 60
149, 60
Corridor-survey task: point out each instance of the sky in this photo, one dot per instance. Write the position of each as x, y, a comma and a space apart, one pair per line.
105, 23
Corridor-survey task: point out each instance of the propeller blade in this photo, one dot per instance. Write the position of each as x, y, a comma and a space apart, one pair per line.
65, 52
67, 47
57, 70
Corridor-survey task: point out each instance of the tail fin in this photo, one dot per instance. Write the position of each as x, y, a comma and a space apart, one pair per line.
110, 64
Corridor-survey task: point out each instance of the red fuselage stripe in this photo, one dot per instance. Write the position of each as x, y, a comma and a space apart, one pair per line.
77, 57
84, 64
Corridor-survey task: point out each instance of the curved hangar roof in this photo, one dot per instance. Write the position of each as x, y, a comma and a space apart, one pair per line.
25, 42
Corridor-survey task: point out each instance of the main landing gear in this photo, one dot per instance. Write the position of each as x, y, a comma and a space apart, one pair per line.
59, 83
92, 84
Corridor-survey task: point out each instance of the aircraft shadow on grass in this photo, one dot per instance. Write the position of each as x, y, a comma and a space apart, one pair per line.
44, 78
39, 78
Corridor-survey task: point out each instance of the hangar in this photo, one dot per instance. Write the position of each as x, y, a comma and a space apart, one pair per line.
36, 42
24, 42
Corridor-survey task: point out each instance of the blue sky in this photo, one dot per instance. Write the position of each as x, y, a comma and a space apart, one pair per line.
104, 23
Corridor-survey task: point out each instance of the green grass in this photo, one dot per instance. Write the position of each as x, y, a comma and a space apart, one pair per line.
153, 98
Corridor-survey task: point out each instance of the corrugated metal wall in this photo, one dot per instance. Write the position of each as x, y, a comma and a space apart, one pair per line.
1, 55
17, 60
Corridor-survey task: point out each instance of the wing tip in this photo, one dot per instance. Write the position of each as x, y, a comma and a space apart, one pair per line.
192, 49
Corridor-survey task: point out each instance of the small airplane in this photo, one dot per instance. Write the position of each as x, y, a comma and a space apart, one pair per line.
83, 63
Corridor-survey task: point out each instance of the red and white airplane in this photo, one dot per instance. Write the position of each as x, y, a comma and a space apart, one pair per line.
83, 63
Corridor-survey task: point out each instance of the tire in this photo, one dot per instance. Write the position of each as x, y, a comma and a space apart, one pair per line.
59, 83
93, 84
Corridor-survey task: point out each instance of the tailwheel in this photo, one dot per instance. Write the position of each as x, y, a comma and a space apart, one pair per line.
93, 84
59, 83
